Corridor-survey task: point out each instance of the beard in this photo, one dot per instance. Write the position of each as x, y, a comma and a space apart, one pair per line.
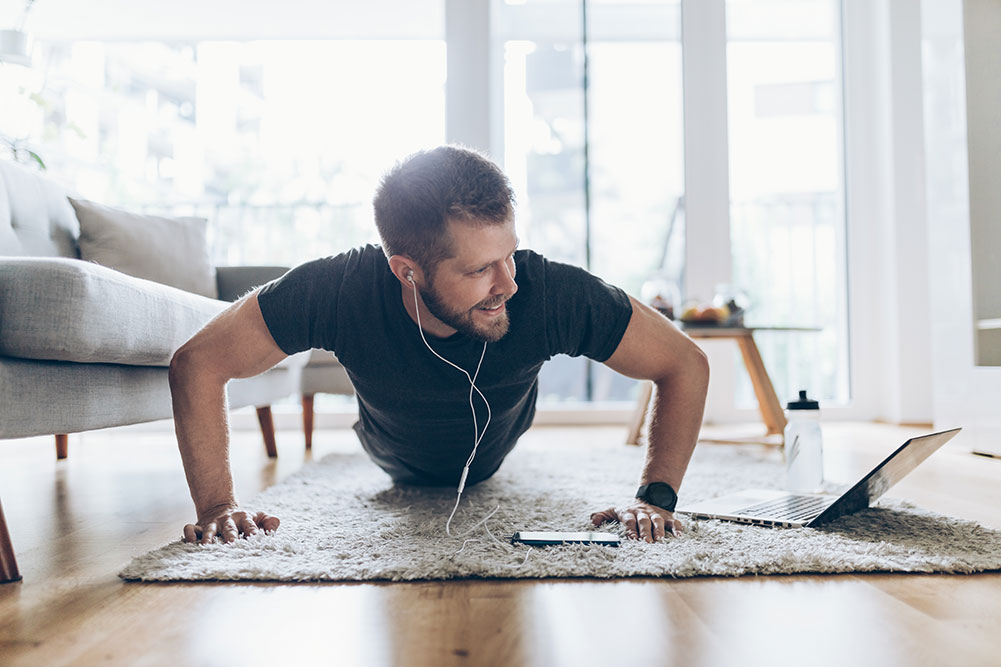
462, 321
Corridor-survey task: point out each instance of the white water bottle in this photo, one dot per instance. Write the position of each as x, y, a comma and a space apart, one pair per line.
803, 447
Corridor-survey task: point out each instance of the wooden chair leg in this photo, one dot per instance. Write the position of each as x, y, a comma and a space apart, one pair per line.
268, 430
62, 445
307, 418
639, 414
8, 565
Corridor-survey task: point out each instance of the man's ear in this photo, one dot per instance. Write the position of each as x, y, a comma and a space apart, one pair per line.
403, 266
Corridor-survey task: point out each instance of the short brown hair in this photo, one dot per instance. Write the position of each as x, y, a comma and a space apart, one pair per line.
422, 192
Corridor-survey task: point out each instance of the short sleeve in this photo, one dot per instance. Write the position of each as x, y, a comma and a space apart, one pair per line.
300, 308
584, 314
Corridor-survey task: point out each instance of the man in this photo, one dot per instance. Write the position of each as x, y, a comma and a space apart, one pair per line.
448, 286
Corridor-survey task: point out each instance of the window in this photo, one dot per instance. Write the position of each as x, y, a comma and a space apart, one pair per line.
787, 219
593, 143
281, 144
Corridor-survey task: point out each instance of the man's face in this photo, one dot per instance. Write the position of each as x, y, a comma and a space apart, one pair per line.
468, 291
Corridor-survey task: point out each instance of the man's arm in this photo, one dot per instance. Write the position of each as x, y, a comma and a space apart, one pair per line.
235, 344
652, 348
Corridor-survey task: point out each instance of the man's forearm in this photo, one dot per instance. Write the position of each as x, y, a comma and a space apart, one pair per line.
203, 438
678, 404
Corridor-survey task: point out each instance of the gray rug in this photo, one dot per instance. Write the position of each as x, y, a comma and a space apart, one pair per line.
343, 520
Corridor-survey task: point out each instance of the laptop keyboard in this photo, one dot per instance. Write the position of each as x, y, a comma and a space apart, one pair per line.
789, 508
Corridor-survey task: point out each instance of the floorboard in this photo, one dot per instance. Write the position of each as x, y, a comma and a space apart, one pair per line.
121, 492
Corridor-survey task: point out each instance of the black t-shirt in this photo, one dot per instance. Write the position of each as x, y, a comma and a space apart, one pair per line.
414, 415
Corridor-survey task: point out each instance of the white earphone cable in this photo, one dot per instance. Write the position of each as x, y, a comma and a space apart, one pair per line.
478, 435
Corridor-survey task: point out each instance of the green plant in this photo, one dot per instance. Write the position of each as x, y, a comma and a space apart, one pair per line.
20, 152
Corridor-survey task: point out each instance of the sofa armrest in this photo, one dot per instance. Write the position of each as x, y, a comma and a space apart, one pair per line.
235, 281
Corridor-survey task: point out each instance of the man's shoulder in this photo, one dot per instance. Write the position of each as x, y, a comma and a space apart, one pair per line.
535, 266
370, 254
359, 270
364, 257
534, 261
330, 274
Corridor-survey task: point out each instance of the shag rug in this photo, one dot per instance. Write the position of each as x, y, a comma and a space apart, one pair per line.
342, 519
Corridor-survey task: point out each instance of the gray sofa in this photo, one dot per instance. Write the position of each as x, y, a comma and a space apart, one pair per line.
83, 346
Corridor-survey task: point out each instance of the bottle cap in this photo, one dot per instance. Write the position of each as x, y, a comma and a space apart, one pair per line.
803, 403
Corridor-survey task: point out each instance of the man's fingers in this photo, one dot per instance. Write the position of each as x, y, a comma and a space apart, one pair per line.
230, 525
643, 519
658, 526
192, 532
628, 519
641, 524
229, 531
267, 522
599, 518
208, 532
246, 526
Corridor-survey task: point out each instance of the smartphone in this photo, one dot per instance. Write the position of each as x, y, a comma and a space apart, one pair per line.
546, 538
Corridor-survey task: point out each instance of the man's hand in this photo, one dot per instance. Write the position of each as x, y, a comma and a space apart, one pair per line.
641, 520
229, 523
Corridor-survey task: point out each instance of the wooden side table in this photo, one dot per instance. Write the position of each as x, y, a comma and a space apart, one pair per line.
768, 402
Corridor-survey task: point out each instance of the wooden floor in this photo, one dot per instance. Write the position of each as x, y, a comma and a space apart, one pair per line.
75, 523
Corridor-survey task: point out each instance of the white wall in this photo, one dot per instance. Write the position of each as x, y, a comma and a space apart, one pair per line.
964, 394
903, 272
983, 112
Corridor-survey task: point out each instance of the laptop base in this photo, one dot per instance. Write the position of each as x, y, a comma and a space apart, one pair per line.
732, 507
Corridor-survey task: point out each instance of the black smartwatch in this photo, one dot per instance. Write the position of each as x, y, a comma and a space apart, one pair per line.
660, 494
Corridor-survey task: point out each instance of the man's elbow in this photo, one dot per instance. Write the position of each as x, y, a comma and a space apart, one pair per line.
699, 361
187, 365
691, 368
180, 364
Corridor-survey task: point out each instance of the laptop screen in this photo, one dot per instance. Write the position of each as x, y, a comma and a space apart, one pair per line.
896, 466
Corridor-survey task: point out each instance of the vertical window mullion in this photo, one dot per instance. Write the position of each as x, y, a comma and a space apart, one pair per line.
707, 187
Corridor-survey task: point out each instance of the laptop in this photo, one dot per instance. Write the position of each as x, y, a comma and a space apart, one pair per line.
766, 507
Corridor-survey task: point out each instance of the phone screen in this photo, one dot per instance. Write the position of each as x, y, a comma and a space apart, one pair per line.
549, 538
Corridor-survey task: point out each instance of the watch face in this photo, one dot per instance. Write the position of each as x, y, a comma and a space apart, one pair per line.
661, 495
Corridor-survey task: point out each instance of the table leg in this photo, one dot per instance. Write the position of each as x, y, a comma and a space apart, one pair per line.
768, 402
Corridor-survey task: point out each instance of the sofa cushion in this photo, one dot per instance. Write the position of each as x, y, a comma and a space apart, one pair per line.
35, 217
71, 310
171, 251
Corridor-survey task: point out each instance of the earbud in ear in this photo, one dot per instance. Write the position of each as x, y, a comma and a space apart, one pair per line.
410, 276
